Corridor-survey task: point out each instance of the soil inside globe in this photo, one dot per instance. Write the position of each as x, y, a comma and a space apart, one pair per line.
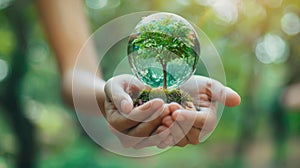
169, 96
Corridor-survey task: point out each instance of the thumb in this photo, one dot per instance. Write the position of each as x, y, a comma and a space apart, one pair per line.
115, 93
214, 89
117, 89
232, 98
223, 94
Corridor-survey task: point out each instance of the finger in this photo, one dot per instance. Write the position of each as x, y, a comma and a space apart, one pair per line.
147, 142
145, 129
139, 114
125, 140
167, 121
185, 128
199, 119
168, 142
223, 94
160, 134
174, 106
177, 133
162, 131
191, 121
153, 140
193, 135
213, 88
118, 89
203, 100
232, 98
183, 142
115, 93
153, 108
159, 114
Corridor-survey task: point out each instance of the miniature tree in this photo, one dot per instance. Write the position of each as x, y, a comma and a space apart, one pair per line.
165, 39
163, 52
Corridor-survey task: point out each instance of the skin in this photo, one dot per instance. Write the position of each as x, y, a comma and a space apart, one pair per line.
67, 31
189, 127
127, 122
175, 125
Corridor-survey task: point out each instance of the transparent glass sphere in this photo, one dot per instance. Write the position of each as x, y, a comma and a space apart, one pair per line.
163, 50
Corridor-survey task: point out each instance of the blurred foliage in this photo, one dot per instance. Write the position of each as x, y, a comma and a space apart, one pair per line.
259, 45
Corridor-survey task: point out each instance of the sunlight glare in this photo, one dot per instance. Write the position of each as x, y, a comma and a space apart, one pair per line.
290, 24
272, 49
226, 10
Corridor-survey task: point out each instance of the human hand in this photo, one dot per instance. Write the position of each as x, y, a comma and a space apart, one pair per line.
189, 127
134, 126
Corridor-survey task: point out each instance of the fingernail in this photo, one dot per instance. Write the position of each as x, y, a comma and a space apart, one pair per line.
157, 104
166, 110
146, 106
174, 106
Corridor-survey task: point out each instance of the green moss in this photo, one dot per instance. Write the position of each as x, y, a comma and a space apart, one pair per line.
168, 96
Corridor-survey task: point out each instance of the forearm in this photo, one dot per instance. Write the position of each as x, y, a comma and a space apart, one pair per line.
67, 31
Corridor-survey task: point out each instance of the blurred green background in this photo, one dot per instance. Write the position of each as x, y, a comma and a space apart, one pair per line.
259, 44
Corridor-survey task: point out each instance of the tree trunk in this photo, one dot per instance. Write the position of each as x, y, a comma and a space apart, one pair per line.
164, 66
165, 75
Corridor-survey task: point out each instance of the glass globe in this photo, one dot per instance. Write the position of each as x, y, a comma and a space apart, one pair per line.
163, 50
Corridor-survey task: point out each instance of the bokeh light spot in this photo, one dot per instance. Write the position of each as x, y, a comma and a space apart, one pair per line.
184, 2
290, 24
261, 54
226, 11
38, 53
253, 9
205, 2
4, 3
113, 3
3, 163
96, 4
272, 49
3, 70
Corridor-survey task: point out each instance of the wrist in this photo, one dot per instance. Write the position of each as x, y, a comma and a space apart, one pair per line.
88, 85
